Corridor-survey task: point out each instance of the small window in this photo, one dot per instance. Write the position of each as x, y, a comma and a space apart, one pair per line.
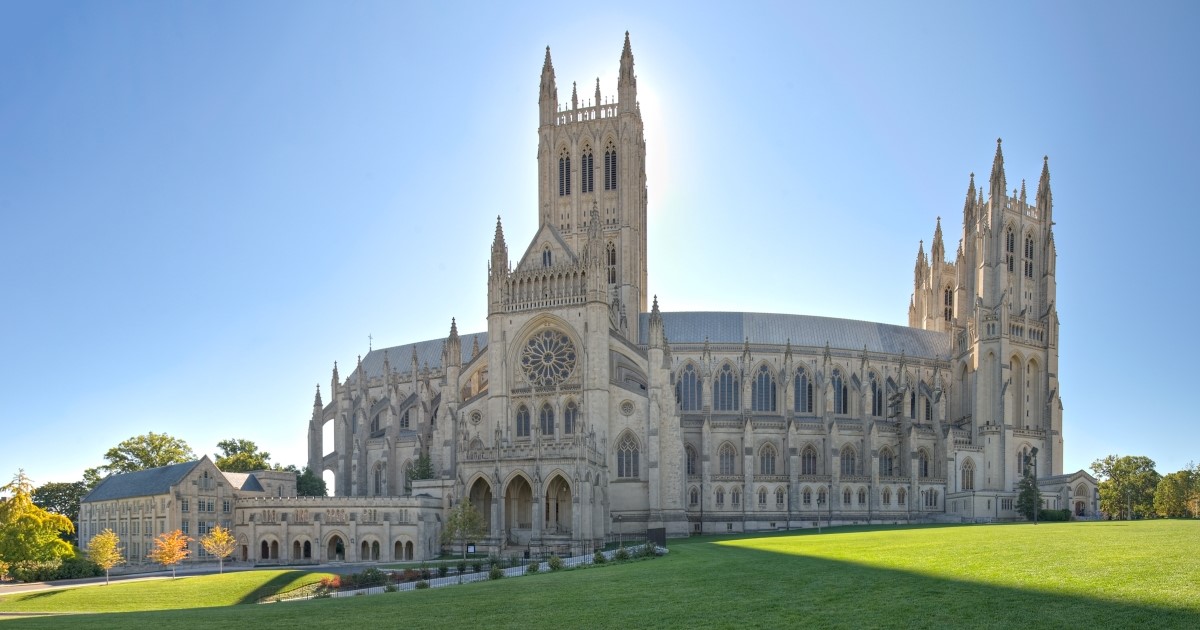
720, 497
611, 258
1028, 256
779, 497
547, 258
690, 457
1010, 247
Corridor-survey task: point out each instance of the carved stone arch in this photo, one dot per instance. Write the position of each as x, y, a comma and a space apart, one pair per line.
487, 479
512, 476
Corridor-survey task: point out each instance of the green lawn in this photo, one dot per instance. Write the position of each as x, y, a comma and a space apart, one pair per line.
1061, 575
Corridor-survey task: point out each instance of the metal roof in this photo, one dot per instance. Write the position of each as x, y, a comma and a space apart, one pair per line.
428, 353
801, 330
141, 483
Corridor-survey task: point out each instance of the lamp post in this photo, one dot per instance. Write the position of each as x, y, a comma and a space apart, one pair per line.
620, 533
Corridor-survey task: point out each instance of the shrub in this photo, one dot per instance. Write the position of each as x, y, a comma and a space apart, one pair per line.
1054, 515
371, 577
443, 570
462, 566
411, 575
425, 573
30, 571
622, 554
599, 558
477, 566
555, 563
650, 550
533, 567
514, 560
421, 584
328, 584
390, 588
496, 573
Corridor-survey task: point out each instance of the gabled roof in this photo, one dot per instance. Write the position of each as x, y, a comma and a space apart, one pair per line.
428, 353
243, 481
141, 483
546, 232
801, 330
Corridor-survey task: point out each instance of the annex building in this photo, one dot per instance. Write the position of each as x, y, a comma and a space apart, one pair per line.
585, 410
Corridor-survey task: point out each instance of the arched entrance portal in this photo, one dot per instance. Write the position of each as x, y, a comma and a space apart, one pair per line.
518, 510
481, 499
558, 506
336, 550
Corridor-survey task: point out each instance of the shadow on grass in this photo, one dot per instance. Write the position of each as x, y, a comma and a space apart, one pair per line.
273, 586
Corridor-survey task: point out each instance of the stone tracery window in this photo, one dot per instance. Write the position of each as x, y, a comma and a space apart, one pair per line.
849, 461
523, 421
804, 393
1010, 247
808, 461
728, 458
948, 302
876, 397
610, 257
564, 173
588, 173
841, 398
548, 358
766, 460
690, 459
570, 415
627, 457
726, 390
968, 475
610, 166
922, 464
688, 389
1028, 256
886, 463
546, 420
763, 393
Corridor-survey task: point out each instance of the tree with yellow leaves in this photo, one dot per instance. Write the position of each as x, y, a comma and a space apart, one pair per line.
220, 543
105, 551
27, 532
170, 549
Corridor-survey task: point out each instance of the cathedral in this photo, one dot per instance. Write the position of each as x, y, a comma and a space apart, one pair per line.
585, 412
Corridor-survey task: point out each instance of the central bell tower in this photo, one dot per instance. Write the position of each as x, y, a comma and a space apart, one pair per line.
592, 155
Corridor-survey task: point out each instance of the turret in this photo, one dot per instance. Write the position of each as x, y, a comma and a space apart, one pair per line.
626, 80
656, 335
548, 96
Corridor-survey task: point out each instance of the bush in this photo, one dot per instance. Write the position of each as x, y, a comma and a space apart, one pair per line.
390, 588
443, 570
425, 573
30, 571
496, 573
650, 550
1054, 515
477, 566
411, 575
421, 584
555, 563
622, 554
371, 577
599, 558
514, 560
328, 584
462, 567
533, 567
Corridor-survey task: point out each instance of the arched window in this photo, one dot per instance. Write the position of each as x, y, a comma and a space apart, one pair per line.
931, 498
725, 391
689, 455
821, 496
846, 496
694, 497
1028, 256
588, 173
688, 389
766, 460
1010, 248
928, 408
901, 496
547, 259
404, 419
948, 303
806, 497
912, 405
922, 464
720, 497
728, 458
840, 397
610, 167
763, 390
808, 461
735, 497
887, 496
564, 173
803, 392
849, 461
876, 398
375, 424
762, 498
886, 462
523, 421
968, 475
862, 496
779, 497
611, 260
570, 415
546, 420
627, 457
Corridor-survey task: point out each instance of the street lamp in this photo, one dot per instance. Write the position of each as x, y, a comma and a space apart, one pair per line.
620, 533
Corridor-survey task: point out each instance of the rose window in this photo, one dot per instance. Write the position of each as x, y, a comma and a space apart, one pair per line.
548, 358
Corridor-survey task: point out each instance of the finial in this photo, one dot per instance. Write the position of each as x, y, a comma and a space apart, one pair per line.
654, 309
453, 328
370, 341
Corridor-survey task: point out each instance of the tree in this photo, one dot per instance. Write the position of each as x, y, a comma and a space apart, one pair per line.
170, 549
308, 484
1176, 493
61, 498
422, 469
92, 477
147, 451
241, 456
1029, 500
105, 551
219, 542
1127, 486
464, 523
27, 532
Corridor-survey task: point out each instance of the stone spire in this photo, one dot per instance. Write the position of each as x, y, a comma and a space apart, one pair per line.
453, 347
1045, 201
657, 337
548, 96
574, 96
937, 253
626, 80
597, 91
336, 382
1022, 191
499, 251
996, 184
317, 400
969, 205
921, 265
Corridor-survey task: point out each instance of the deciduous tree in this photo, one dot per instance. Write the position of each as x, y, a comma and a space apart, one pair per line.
104, 549
147, 451
61, 498
170, 549
1175, 495
463, 524
219, 542
1029, 500
241, 456
309, 484
1128, 483
27, 532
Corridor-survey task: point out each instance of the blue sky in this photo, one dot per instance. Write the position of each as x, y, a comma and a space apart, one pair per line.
206, 204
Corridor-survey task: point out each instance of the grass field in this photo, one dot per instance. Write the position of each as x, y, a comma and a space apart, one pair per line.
1096, 575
